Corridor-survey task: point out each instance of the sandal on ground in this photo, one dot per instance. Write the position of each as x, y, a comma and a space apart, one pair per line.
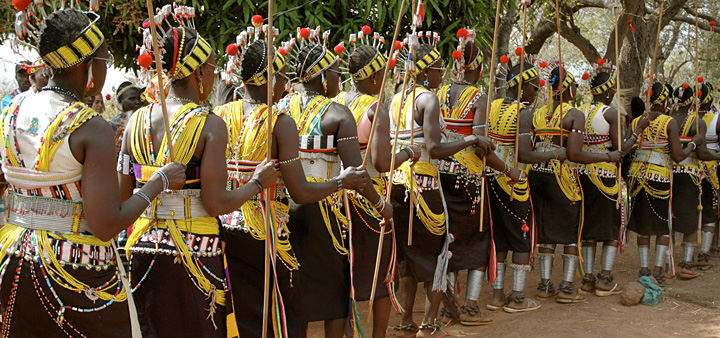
431, 331
471, 316
547, 291
686, 272
568, 296
615, 288
445, 317
497, 305
703, 261
521, 304
588, 284
406, 331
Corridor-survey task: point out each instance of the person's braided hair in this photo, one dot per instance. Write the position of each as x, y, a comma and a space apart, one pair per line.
60, 29
307, 56
253, 61
687, 94
600, 79
167, 52
471, 52
555, 80
361, 57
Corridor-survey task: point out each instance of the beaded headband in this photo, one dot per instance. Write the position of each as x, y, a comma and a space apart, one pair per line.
601, 66
404, 52
184, 65
236, 54
33, 14
460, 65
33, 68
554, 79
528, 73
361, 38
680, 92
316, 39
708, 97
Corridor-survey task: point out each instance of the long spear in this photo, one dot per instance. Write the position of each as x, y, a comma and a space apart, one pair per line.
524, 5
269, 241
561, 70
697, 76
392, 160
491, 89
161, 85
617, 11
652, 68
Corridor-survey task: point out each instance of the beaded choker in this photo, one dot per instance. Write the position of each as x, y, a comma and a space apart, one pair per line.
61, 91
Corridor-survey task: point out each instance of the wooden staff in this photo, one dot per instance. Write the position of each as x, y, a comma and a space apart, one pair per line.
270, 247
617, 96
412, 127
519, 93
382, 85
392, 160
561, 70
491, 88
161, 85
652, 68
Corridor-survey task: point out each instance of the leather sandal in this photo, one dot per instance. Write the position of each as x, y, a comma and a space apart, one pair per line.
406, 331
686, 272
615, 288
547, 291
568, 296
588, 284
521, 304
471, 316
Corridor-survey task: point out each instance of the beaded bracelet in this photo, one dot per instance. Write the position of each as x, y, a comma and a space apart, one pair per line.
410, 152
506, 170
349, 138
143, 196
289, 161
694, 145
339, 183
479, 126
164, 178
581, 132
258, 184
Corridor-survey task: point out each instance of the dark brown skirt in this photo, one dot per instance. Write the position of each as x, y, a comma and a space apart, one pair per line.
601, 215
246, 265
507, 227
685, 204
420, 259
709, 202
471, 248
648, 215
557, 217
34, 315
324, 273
168, 302
366, 235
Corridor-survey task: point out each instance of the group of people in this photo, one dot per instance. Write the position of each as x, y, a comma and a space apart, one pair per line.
362, 198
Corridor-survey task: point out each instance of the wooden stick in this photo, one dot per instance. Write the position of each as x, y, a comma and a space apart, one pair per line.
392, 160
617, 96
491, 88
696, 94
391, 50
412, 128
161, 86
270, 247
652, 68
519, 94
561, 70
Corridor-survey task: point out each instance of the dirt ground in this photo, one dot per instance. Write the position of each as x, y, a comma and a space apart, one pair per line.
687, 309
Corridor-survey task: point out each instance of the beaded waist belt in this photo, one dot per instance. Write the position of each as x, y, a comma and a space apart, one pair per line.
506, 153
178, 204
158, 240
43, 213
424, 155
691, 160
653, 157
596, 139
423, 181
502, 139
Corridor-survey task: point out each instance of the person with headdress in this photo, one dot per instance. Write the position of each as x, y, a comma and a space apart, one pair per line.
650, 178
686, 202
420, 122
22, 77
461, 175
365, 67
554, 185
513, 222
177, 238
710, 184
599, 182
127, 98
328, 136
60, 273
244, 228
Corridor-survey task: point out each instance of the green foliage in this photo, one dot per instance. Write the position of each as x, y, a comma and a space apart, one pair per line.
220, 20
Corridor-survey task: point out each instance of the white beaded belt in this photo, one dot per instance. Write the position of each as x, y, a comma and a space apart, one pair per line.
320, 165
178, 204
43, 213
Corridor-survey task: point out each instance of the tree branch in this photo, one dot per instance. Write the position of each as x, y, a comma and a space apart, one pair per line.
691, 21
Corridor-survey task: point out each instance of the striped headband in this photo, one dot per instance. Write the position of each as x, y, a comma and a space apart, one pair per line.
84, 45
604, 87
526, 76
320, 65
476, 63
260, 78
708, 98
427, 60
197, 56
375, 65
689, 100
